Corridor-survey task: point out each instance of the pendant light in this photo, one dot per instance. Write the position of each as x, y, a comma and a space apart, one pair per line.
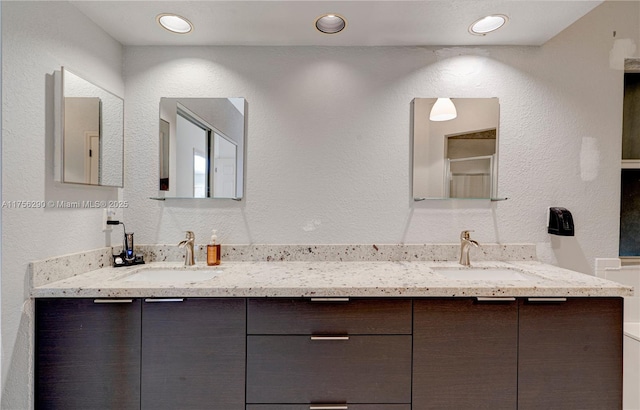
443, 110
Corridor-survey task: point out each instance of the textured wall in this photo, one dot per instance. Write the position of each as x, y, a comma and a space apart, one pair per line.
328, 151
38, 38
328, 145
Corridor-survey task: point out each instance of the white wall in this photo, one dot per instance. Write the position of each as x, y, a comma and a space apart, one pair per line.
328, 140
37, 39
328, 145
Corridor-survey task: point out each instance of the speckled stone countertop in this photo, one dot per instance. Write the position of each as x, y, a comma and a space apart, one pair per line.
334, 279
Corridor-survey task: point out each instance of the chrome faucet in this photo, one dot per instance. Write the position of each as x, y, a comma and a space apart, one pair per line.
189, 259
465, 245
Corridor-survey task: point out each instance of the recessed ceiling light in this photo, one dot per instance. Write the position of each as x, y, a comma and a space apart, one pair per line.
174, 23
331, 23
488, 24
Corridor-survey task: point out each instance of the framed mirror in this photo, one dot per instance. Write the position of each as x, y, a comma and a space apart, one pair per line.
90, 135
455, 148
202, 148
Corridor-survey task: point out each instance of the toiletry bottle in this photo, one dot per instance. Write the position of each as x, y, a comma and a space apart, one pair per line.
213, 250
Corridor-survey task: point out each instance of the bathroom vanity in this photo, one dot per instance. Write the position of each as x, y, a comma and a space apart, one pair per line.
330, 335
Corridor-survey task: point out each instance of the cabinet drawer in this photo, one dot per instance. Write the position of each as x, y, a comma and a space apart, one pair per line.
328, 316
298, 369
329, 407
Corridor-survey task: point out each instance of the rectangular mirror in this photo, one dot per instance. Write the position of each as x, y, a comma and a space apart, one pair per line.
201, 146
455, 157
90, 138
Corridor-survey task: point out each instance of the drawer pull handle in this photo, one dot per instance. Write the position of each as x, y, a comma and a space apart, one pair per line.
164, 300
329, 407
329, 337
552, 300
112, 300
329, 299
497, 299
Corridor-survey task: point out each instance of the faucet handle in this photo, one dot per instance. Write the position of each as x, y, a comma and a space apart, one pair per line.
190, 235
465, 234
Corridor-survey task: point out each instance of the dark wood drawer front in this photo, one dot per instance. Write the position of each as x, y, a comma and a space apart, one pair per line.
296, 369
465, 355
570, 354
329, 407
305, 316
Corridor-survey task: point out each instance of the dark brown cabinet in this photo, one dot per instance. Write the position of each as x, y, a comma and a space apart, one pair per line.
329, 407
328, 315
133, 354
465, 354
570, 354
326, 369
193, 354
329, 353
87, 354
306, 351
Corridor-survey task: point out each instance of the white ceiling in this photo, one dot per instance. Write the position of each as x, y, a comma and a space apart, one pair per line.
370, 23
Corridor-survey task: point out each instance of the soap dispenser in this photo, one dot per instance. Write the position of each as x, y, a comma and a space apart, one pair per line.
213, 250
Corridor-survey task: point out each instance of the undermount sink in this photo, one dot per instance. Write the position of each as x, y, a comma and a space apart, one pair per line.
172, 275
486, 274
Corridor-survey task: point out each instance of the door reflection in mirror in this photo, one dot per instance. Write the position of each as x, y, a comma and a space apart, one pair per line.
201, 147
82, 140
224, 166
456, 158
88, 136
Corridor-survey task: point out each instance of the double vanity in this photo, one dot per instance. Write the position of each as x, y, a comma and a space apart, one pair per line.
363, 335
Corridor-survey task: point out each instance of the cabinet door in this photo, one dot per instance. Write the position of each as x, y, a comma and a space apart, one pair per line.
570, 354
464, 354
193, 354
87, 354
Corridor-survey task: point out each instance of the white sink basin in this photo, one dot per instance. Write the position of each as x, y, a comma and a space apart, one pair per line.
486, 274
172, 275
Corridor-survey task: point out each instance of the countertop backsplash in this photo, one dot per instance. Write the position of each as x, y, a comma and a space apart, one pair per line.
66, 266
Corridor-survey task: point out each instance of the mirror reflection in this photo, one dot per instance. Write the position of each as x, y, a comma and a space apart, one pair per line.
201, 146
92, 146
455, 153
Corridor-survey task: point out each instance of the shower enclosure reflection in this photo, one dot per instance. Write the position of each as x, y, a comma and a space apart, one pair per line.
457, 158
201, 147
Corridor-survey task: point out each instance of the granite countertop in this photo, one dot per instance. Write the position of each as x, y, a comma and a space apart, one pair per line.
334, 279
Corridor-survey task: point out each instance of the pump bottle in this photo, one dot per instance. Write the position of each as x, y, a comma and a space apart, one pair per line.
213, 250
